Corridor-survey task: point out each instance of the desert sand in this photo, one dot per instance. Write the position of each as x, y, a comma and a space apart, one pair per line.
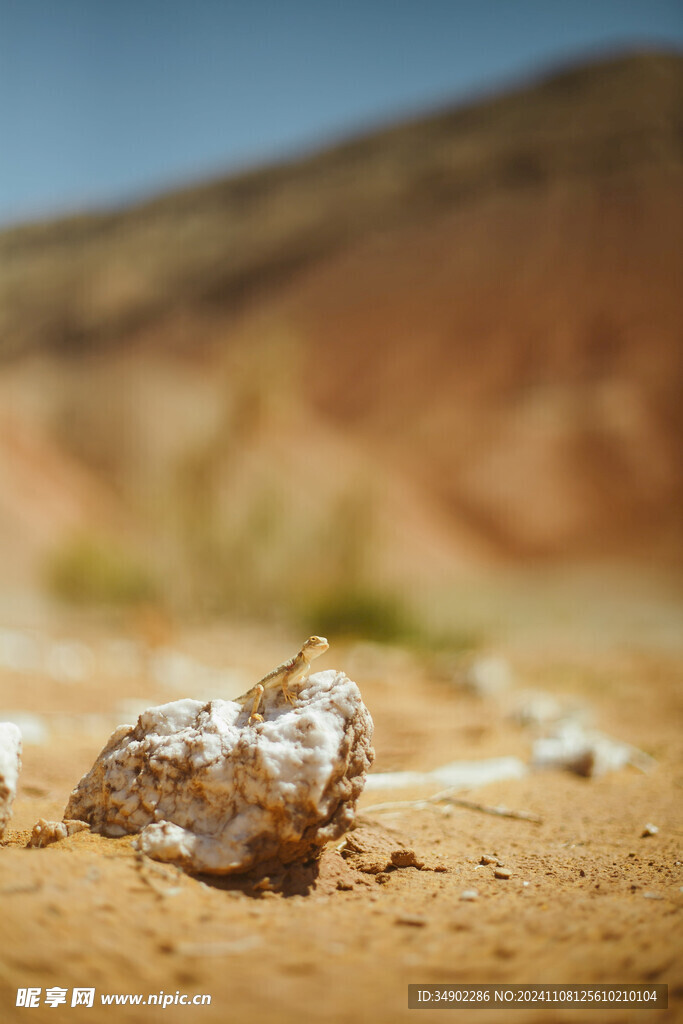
589, 897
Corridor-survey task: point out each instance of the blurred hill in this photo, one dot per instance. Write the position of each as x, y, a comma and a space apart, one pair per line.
452, 342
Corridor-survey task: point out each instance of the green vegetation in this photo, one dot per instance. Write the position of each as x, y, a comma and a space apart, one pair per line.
366, 614
363, 614
92, 570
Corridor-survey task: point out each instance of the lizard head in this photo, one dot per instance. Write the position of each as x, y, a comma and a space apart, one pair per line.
314, 647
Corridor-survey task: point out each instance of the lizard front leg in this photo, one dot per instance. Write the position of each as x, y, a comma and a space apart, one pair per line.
258, 694
297, 677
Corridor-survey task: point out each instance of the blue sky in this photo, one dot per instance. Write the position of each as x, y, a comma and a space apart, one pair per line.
105, 101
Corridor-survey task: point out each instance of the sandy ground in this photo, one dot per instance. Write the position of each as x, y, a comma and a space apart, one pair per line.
589, 899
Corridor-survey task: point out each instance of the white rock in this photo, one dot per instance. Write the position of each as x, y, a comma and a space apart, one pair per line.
20, 650
69, 661
468, 774
585, 751
536, 708
10, 766
488, 676
34, 728
456, 774
209, 792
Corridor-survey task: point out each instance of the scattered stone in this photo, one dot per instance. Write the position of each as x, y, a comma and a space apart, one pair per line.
211, 793
488, 858
649, 830
368, 848
372, 849
414, 920
10, 766
536, 708
47, 832
406, 859
325, 874
488, 676
652, 896
502, 873
585, 752
469, 895
505, 952
20, 650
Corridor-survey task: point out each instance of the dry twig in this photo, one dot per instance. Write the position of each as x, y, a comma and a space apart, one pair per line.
446, 796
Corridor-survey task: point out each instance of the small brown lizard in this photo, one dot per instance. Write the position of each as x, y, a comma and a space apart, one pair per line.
290, 673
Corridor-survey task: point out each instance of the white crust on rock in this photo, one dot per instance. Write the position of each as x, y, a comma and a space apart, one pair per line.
10, 766
209, 792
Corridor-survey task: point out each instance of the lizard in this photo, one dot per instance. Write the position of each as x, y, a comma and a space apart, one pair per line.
292, 672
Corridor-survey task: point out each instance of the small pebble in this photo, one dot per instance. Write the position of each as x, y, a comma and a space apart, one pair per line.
502, 873
649, 830
415, 920
488, 858
652, 896
525, 884
406, 859
469, 894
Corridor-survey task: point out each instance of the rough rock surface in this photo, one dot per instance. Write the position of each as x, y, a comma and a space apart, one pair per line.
214, 794
10, 766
